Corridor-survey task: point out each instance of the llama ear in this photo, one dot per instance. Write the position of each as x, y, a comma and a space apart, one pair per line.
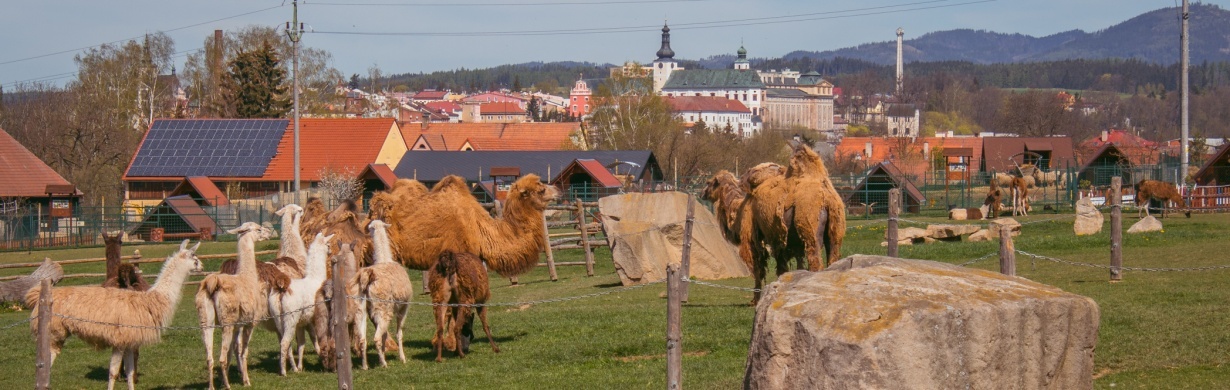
194, 247
183, 245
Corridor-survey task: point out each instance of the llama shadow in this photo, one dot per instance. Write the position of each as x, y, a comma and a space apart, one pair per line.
428, 352
609, 285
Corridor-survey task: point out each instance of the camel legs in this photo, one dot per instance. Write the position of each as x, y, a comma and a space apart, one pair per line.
815, 247
482, 315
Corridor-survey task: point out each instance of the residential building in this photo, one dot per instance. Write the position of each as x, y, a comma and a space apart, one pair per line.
31, 184
502, 112
579, 103
716, 112
539, 136
429, 167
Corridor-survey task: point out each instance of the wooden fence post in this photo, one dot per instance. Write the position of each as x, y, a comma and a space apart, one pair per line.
1116, 229
42, 365
589, 254
674, 333
341, 333
894, 209
426, 289
685, 262
1007, 252
546, 238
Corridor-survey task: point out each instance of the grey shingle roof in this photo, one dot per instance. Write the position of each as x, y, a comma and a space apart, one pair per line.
785, 92
713, 78
430, 166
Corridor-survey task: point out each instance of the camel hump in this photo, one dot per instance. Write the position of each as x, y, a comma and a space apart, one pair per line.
451, 183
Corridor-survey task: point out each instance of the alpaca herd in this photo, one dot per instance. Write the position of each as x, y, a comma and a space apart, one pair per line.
288, 295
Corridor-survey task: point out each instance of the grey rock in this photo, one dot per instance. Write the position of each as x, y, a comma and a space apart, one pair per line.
1145, 225
1088, 219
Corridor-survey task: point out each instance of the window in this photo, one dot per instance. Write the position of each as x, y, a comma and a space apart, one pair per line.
574, 107
754, 95
712, 94
574, 98
586, 107
659, 65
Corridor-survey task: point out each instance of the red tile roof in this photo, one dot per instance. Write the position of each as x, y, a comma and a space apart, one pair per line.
22, 173
501, 108
430, 95
381, 172
1138, 150
443, 106
888, 149
338, 144
599, 173
706, 104
205, 190
494, 136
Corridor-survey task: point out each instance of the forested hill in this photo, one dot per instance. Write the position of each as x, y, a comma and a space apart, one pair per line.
1150, 37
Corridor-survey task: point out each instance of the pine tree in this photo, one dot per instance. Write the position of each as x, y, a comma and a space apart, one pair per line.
254, 86
354, 81
516, 84
532, 109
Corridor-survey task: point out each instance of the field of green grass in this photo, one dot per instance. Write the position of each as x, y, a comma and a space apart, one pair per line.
1159, 330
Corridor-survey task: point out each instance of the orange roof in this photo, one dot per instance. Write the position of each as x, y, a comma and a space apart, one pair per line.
22, 173
205, 190
501, 108
706, 104
380, 172
493, 136
338, 144
911, 161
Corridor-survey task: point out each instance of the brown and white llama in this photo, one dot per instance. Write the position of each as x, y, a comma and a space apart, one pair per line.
388, 285
994, 201
292, 253
458, 284
1020, 197
121, 319
291, 309
235, 303
1165, 192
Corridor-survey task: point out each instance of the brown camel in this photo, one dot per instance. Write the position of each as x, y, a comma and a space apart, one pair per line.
423, 225
819, 218
769, 201
458, 279
735, 216
1165, 192
344, 223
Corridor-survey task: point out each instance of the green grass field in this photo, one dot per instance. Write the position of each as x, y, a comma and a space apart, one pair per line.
1160, 330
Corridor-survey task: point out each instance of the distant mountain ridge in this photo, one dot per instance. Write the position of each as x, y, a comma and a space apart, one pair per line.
1151, 37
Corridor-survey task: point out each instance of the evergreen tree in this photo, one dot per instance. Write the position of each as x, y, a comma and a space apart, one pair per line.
254, 86
354, 81
533, 110
700, 126
516, 84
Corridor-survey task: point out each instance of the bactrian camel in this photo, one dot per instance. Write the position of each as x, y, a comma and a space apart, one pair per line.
235, 303
819, 219
387, 285
120, 319
734, 214
291, 309
423, 225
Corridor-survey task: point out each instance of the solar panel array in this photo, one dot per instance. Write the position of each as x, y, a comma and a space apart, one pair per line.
208, 147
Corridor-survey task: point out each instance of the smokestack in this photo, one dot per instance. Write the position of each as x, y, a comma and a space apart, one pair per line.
217, 57
900, 34
426, 120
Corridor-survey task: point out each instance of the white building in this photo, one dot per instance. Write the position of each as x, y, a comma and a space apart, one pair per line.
716, 112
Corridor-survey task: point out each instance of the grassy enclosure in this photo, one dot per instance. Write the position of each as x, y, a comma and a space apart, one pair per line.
1158, 330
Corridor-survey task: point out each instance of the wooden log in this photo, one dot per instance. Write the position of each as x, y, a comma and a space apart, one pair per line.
341, 333
42, 365
674, 334
589, 252
1007, 252
565, 234
1116, 229
555, 224
894, 204
550, 256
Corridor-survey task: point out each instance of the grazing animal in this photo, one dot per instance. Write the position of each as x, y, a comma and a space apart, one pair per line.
1020, 197
994, 201
385, 281
1165, 192
458, 279
235, 303
423, 225
122, 275
861, 209
89, 311
291, 309
767, 206
735, 216
322, 317
15, 290
1047, 179
819, 214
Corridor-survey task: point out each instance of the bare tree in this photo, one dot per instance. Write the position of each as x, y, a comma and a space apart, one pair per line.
340, 185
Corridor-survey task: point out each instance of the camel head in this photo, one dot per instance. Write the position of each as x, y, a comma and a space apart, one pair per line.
713, 187
262, 233
185, 253
529, 189
290, 208
806, 163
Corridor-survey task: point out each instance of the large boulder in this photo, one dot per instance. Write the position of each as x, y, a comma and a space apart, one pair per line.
1088, 219
997, 224
950, 232
873, 322
981, 235
645, 230
907, 236
1145, 225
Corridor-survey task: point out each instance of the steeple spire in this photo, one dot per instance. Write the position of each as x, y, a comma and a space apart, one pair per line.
665, 53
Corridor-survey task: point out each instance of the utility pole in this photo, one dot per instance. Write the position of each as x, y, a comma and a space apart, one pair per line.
294, 31
1185, 91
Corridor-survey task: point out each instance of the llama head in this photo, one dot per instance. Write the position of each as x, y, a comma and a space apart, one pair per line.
254, 229
185, 254
320, 244
289, 208
533, 191
112, 239
376, 224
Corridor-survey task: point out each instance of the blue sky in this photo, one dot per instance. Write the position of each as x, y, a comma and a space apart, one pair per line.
37, 28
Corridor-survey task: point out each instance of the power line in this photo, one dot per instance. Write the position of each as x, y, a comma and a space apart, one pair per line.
137, 37
60, 76
680, 26
526, 4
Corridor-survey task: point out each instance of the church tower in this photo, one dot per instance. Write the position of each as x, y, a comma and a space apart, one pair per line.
741, 63
665, 64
